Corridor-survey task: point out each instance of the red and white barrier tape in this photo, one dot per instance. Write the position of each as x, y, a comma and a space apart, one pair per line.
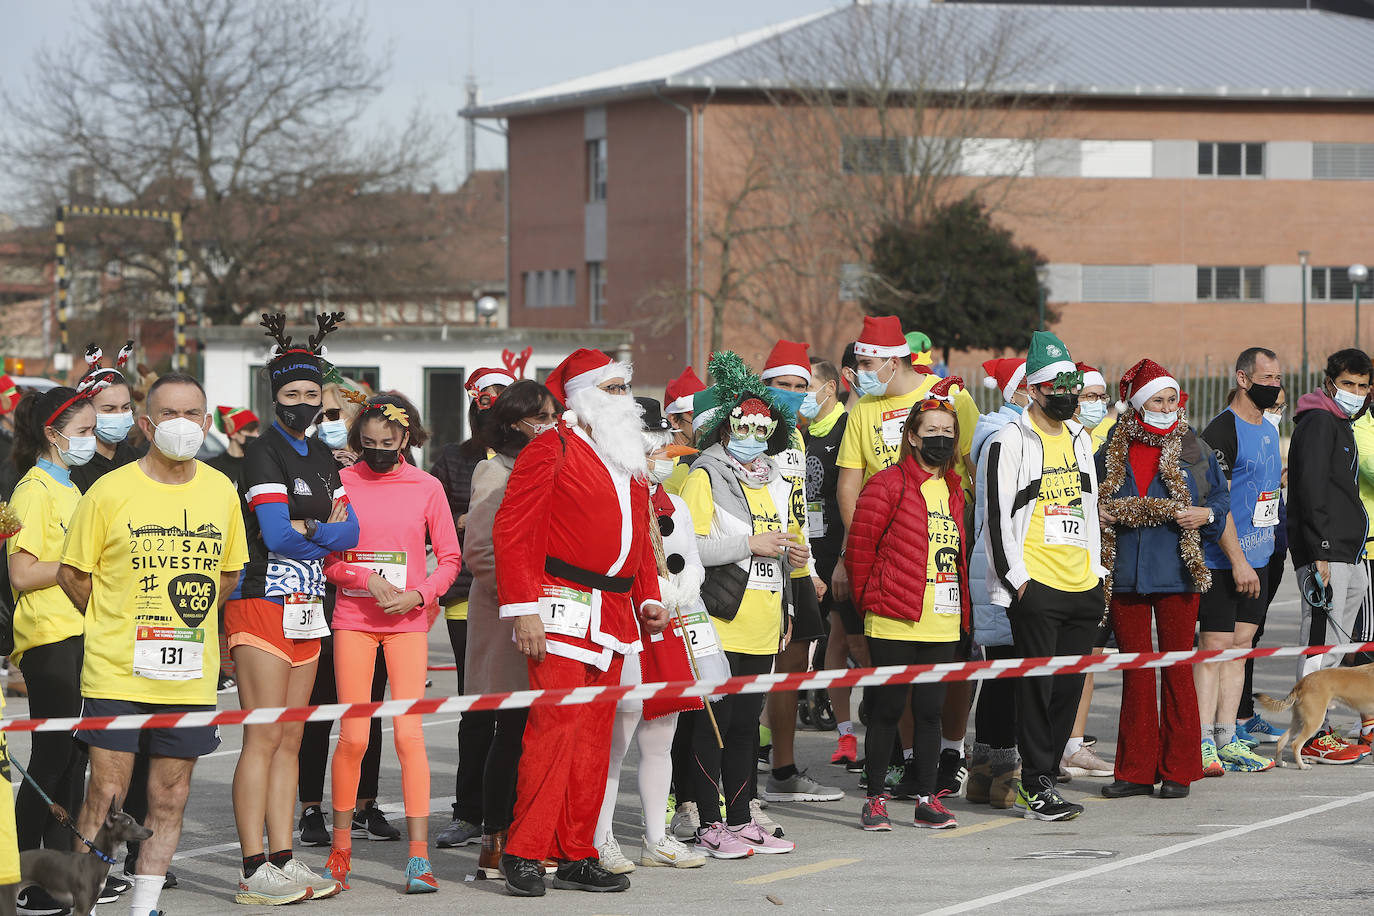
763, 683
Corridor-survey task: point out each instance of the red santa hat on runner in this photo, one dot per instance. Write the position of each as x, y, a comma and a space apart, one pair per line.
678, 395
481, 379
882, 338
788, 358
1091, 376
1144, 380
584, 369
231, 420
1006, 374
942, 393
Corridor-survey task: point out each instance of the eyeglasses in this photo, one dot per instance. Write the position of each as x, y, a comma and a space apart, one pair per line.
615, 389
753, 430
1092, 399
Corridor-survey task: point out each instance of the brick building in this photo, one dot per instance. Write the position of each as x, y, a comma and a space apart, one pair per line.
1192, 154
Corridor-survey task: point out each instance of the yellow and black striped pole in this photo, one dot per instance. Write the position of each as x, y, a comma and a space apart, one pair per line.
61, 276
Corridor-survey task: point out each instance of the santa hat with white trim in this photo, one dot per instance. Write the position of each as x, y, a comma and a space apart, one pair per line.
1091, 376
584, 369
788, 358
882, 338
1144, 380
1006, 374
485, 378
678, 395
1047, 358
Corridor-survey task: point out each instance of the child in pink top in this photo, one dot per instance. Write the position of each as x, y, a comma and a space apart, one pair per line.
386, 600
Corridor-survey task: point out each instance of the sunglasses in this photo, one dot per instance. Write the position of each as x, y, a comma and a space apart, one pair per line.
330, 413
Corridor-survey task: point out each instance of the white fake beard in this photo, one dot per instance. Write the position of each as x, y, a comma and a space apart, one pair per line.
615, 423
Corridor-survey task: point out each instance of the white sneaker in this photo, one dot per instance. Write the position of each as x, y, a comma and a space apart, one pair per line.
671, 853
269, 886
1085, 762
321, 888
686, 821
756, 807
613, 860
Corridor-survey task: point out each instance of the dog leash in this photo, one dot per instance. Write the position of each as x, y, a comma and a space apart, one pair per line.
61, 814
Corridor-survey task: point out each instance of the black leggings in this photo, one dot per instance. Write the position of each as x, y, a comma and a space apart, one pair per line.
314, 754
475, 733
502, 769
994, 720
927, 703
738, 718
52, 674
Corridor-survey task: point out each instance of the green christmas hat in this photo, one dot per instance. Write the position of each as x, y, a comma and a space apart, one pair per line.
704, 405
735, 383
1049, 361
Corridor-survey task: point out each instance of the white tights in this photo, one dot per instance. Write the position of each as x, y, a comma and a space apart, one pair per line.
655, 738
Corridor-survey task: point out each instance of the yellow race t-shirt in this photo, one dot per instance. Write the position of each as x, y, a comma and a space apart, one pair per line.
678, 479
9, 835
1056, 549
942, 607
1100, 431
757, 627
155, 552
873, 436
43, 616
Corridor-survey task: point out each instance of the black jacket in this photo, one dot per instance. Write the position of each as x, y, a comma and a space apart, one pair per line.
454, 467
1326, 520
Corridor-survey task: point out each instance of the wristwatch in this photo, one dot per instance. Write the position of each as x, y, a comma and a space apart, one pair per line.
1211, 516
311, 526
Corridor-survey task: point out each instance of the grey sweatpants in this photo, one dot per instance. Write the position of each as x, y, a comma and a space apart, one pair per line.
1327, 627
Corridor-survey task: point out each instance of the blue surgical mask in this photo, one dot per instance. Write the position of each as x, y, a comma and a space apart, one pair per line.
112, 428
1350, 403
745, 450
1160, 419
869, 383
1016, 407
1091, 413
79, 450
810, 407
789, 401
333, 433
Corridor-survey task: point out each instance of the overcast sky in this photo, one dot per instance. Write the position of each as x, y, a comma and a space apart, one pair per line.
511, 45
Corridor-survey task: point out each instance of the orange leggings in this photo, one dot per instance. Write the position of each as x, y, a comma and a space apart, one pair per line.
355, 655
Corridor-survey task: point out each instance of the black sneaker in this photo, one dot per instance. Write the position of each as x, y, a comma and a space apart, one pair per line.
227, 684
371, 824
314, 831
589, 875
855, 766
114, 886
131, 868
524, 877
906, 786
1047, 804
953, 772
765, 762
34, 901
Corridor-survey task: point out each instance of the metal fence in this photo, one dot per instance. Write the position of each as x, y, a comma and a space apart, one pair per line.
1207, 390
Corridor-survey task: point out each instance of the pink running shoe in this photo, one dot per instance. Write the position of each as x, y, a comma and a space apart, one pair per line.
761, 841
721, 843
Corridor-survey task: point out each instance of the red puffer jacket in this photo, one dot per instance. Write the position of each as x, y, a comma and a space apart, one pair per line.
889, 541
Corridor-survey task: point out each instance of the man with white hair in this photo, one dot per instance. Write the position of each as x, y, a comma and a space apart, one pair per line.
575, 565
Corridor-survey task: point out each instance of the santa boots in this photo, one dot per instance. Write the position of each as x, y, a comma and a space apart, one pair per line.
1005, 767
979, 782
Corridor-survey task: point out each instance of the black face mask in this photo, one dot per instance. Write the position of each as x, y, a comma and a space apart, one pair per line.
381, 460
936, 450
297, 417
1060, 407
1264, 396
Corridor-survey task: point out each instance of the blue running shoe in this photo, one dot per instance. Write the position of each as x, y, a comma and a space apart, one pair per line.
1262, 731
1244, 737
420, 876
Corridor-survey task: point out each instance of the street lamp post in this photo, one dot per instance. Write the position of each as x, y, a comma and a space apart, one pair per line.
1302, 261
1358, 273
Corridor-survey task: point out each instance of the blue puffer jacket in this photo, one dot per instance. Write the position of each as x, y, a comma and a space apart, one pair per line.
1147, 559
990, 624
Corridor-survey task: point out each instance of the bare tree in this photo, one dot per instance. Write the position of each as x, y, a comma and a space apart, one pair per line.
239, 115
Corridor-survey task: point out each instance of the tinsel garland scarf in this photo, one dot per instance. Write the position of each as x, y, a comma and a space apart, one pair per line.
1149, 511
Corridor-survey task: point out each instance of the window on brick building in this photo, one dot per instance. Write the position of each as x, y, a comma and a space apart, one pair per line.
596, 169
1117, 283
853, 282
1333, 284
874, 156
596, 291
1343, 160
549, 288
1230, 284
1231, 159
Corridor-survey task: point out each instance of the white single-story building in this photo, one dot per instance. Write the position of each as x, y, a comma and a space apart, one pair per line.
427, 364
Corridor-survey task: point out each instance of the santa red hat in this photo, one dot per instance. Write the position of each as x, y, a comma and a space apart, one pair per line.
232, 419
882, 338
1007, 374
583, 369
943, 389
485, 378
678, 395
1091, 376
1144, 380
788, 358
9, 394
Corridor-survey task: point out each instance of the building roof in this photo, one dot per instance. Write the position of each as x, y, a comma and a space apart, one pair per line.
1076, 51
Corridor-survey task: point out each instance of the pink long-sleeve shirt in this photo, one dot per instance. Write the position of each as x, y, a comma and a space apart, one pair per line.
395, 513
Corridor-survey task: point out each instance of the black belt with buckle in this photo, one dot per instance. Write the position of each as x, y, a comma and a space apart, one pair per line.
620, 585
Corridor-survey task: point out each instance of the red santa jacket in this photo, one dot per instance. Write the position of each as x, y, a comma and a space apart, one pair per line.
571, 523
889, 541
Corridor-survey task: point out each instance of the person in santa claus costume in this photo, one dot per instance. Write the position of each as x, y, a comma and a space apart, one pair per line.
575, 569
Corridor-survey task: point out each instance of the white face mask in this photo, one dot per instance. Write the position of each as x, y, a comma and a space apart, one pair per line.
538, 429
1350, 403
660, 469
179, 438
1160, 419
1273, 419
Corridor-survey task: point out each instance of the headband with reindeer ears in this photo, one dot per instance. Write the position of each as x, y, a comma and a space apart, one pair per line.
276, 329
99, 377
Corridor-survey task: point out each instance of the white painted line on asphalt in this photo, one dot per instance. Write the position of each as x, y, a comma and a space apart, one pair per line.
981, 902
798, 872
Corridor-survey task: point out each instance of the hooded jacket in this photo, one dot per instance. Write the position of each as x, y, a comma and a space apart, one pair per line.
1326, 520
990, 624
